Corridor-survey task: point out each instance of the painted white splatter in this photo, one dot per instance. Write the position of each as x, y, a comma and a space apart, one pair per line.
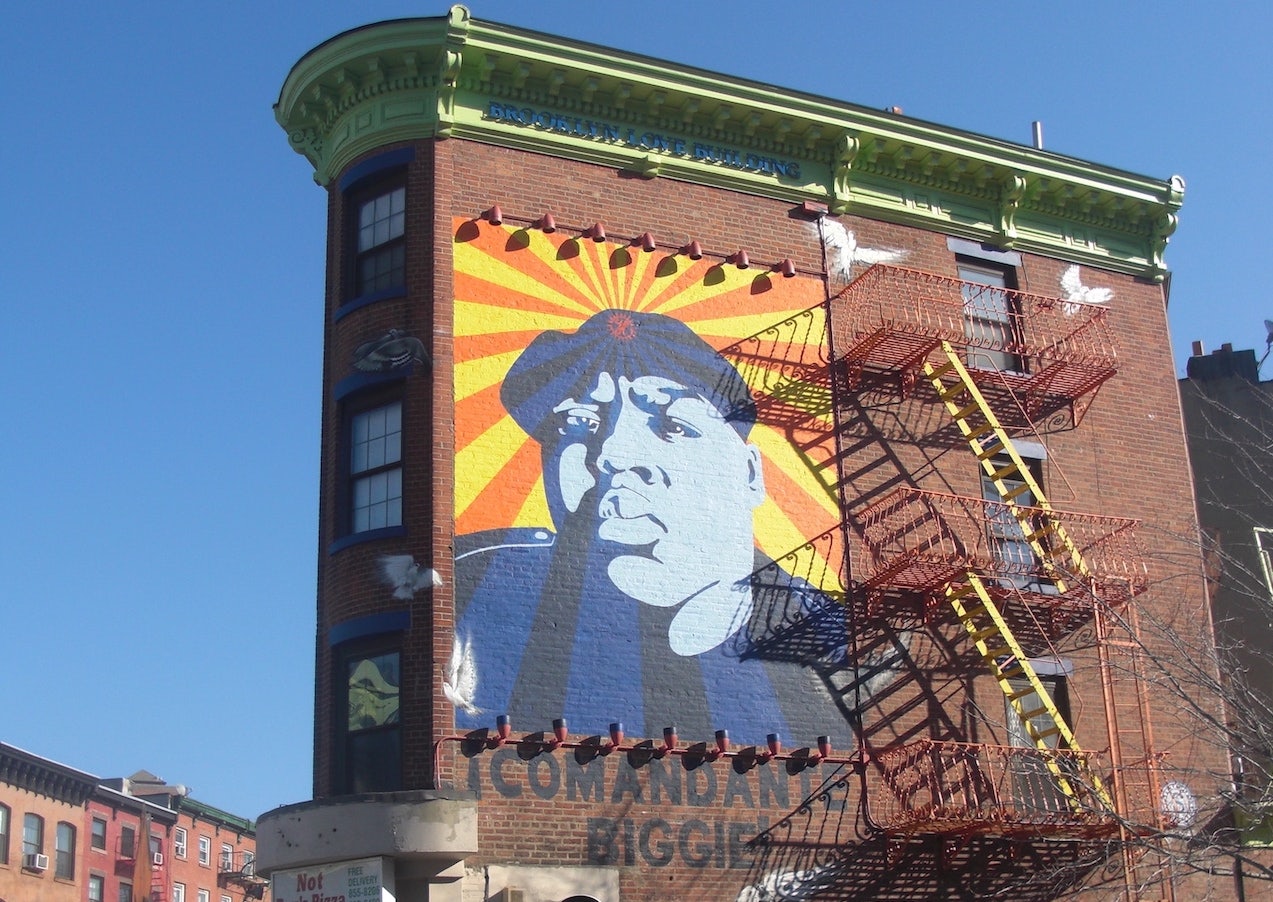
788, 886
460, 684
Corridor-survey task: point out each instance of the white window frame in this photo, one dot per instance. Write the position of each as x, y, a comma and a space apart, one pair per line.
179, 841
205, 851
226, 862
178, 892
204, 895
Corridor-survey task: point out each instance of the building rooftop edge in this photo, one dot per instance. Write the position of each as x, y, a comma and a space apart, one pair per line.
455, 76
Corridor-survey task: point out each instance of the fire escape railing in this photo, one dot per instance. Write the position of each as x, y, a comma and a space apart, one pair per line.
958, 788
1046, 351
917, 541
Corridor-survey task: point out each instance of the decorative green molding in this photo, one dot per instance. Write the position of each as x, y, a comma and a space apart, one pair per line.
460, 77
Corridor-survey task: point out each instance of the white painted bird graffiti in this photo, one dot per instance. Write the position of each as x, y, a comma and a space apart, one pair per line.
406, 576
1077, 293
843, 249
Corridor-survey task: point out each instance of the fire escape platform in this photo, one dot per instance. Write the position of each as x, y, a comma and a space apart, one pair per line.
960, 789
1033, 355
918, 542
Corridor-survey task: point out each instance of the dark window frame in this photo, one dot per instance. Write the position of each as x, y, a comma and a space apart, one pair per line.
358, 289
378, 396
64, 858
94, 835
381, 743
6, 828
29, 847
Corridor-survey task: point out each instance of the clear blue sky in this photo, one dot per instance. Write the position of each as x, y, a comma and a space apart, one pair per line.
161, 249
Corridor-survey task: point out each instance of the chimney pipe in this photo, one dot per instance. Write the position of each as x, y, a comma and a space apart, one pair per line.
1036, 133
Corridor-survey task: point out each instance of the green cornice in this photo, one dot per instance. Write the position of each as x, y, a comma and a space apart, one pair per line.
418, 78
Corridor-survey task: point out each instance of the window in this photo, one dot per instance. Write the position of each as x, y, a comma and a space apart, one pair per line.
65, 865
371, 746
97, 835
127, 841
225, 898
1035, 786
376, 467
125, 892
4, 834
32, 834
227, 857
178, 892
205, 851
204, 895
96, 888
992, 319
380, 261
1013, 555
179, 842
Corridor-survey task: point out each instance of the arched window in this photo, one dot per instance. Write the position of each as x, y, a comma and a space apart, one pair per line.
65, 848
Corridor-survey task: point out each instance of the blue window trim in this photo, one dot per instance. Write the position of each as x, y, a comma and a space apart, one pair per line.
356, 382
367, 535
390, 159
370, 625
397, 291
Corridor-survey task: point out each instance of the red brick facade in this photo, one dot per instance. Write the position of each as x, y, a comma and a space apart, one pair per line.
713, 830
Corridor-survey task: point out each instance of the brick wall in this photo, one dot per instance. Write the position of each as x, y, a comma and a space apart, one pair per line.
1125, 459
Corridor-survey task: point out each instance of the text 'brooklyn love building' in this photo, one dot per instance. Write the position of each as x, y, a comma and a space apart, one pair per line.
729, 493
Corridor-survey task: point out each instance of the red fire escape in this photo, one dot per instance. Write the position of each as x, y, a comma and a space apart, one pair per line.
1014, 573
1008, 572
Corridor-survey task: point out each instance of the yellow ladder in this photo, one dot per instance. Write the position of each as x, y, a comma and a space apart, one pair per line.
986, 437
1060, 557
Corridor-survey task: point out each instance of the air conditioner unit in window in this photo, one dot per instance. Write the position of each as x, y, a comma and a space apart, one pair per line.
33, 861
157, 858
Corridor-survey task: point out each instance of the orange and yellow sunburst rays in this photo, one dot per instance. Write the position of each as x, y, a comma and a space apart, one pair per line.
511, 284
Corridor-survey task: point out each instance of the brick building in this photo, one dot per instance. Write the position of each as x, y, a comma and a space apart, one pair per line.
1228, 413
66, 834
729, 493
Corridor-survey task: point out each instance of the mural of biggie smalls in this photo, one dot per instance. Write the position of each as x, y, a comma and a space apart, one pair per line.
623, 576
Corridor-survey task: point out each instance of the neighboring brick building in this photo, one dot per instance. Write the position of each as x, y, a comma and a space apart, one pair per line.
42, 827
1228, 414
780, 463
66, 834
1229, 418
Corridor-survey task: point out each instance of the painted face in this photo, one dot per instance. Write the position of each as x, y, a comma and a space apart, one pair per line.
668, 483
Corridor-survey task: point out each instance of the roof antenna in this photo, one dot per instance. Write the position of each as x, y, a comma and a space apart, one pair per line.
1268, 343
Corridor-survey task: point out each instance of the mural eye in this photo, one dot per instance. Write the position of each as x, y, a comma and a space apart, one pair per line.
578, 424
669, 428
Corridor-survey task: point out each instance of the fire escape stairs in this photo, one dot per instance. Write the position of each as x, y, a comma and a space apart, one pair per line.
972, 602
